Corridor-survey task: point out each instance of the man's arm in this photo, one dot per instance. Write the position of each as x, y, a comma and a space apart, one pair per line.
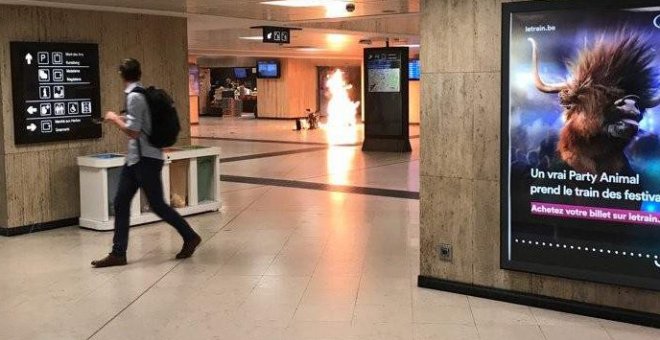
120, 122
131, 124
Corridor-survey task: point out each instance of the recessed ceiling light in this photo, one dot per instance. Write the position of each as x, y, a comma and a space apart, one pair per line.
255, 37
302, 3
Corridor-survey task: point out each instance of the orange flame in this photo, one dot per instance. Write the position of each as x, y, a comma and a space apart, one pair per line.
341, 109
340, 128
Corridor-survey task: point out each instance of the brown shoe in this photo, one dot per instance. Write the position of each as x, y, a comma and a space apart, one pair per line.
110, 261
189, 247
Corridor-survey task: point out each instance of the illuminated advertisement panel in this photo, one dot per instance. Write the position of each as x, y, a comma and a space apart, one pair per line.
580, 168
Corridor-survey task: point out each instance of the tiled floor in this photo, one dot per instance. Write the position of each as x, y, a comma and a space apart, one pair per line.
271, 129
276, 263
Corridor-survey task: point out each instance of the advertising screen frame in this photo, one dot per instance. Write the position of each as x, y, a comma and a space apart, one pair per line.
509, 9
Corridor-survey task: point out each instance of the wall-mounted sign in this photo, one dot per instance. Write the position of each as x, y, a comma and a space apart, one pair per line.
276, 35
55, 91
581, 141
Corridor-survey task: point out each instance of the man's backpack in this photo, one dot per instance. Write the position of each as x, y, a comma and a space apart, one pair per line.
165, 125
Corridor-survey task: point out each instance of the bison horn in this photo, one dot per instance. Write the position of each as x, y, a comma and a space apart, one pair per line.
540, 84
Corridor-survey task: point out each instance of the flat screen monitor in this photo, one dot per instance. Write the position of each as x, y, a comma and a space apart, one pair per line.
580, 185
268, 69
240, 73
414, 71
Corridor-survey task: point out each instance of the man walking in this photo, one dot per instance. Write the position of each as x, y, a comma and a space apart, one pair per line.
144, 163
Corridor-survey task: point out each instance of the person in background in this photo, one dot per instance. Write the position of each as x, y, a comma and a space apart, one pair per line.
229, 84
144, 163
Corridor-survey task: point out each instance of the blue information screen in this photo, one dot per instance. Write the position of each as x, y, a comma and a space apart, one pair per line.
413, 70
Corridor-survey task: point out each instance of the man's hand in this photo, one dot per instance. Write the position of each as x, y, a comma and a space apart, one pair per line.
111, 117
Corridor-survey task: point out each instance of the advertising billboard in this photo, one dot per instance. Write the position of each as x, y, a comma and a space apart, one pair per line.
580, 169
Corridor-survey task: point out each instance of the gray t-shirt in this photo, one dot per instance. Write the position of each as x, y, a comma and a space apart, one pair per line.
138, 118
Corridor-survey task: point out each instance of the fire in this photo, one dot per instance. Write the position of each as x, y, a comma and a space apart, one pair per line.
340, 128
341, 109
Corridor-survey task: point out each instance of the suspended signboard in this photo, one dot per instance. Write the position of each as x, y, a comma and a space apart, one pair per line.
276, 35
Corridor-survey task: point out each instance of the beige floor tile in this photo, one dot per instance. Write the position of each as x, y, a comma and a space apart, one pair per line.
293, 265
510, 332
430, 313
381, 331
622, 331
374, 291
245, 265
575, 332
554, 318
324, 289
503, 315
329, 312
279, 290
383, 313
265, 311
318, 330
445, 332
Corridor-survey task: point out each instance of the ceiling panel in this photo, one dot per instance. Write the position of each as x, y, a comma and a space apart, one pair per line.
216, 26
252, 9
304, 43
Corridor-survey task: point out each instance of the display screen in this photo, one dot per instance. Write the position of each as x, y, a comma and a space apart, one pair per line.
386, 92
56, 91
580, 144
414, 71
193, 80
384, 72
268, 69
240, 73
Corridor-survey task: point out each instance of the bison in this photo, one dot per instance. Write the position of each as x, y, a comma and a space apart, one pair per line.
611, 84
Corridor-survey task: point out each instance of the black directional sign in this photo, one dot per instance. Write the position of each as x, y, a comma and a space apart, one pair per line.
276, 35
56, 91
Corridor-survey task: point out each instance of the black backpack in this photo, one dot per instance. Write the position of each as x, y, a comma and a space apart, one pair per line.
165, 125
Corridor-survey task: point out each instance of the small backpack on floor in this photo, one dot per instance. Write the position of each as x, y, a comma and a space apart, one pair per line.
165, 125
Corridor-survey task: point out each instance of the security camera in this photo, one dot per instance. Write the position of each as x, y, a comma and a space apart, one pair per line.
350, 7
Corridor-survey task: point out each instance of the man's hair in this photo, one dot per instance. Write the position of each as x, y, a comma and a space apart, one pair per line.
130, 70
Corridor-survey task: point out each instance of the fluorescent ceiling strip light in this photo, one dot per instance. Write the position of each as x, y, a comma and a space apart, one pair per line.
303, 3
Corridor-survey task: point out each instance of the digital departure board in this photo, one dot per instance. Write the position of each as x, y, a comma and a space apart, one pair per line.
55, 91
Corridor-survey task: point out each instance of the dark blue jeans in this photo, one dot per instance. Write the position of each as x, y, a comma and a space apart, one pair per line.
146, 174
